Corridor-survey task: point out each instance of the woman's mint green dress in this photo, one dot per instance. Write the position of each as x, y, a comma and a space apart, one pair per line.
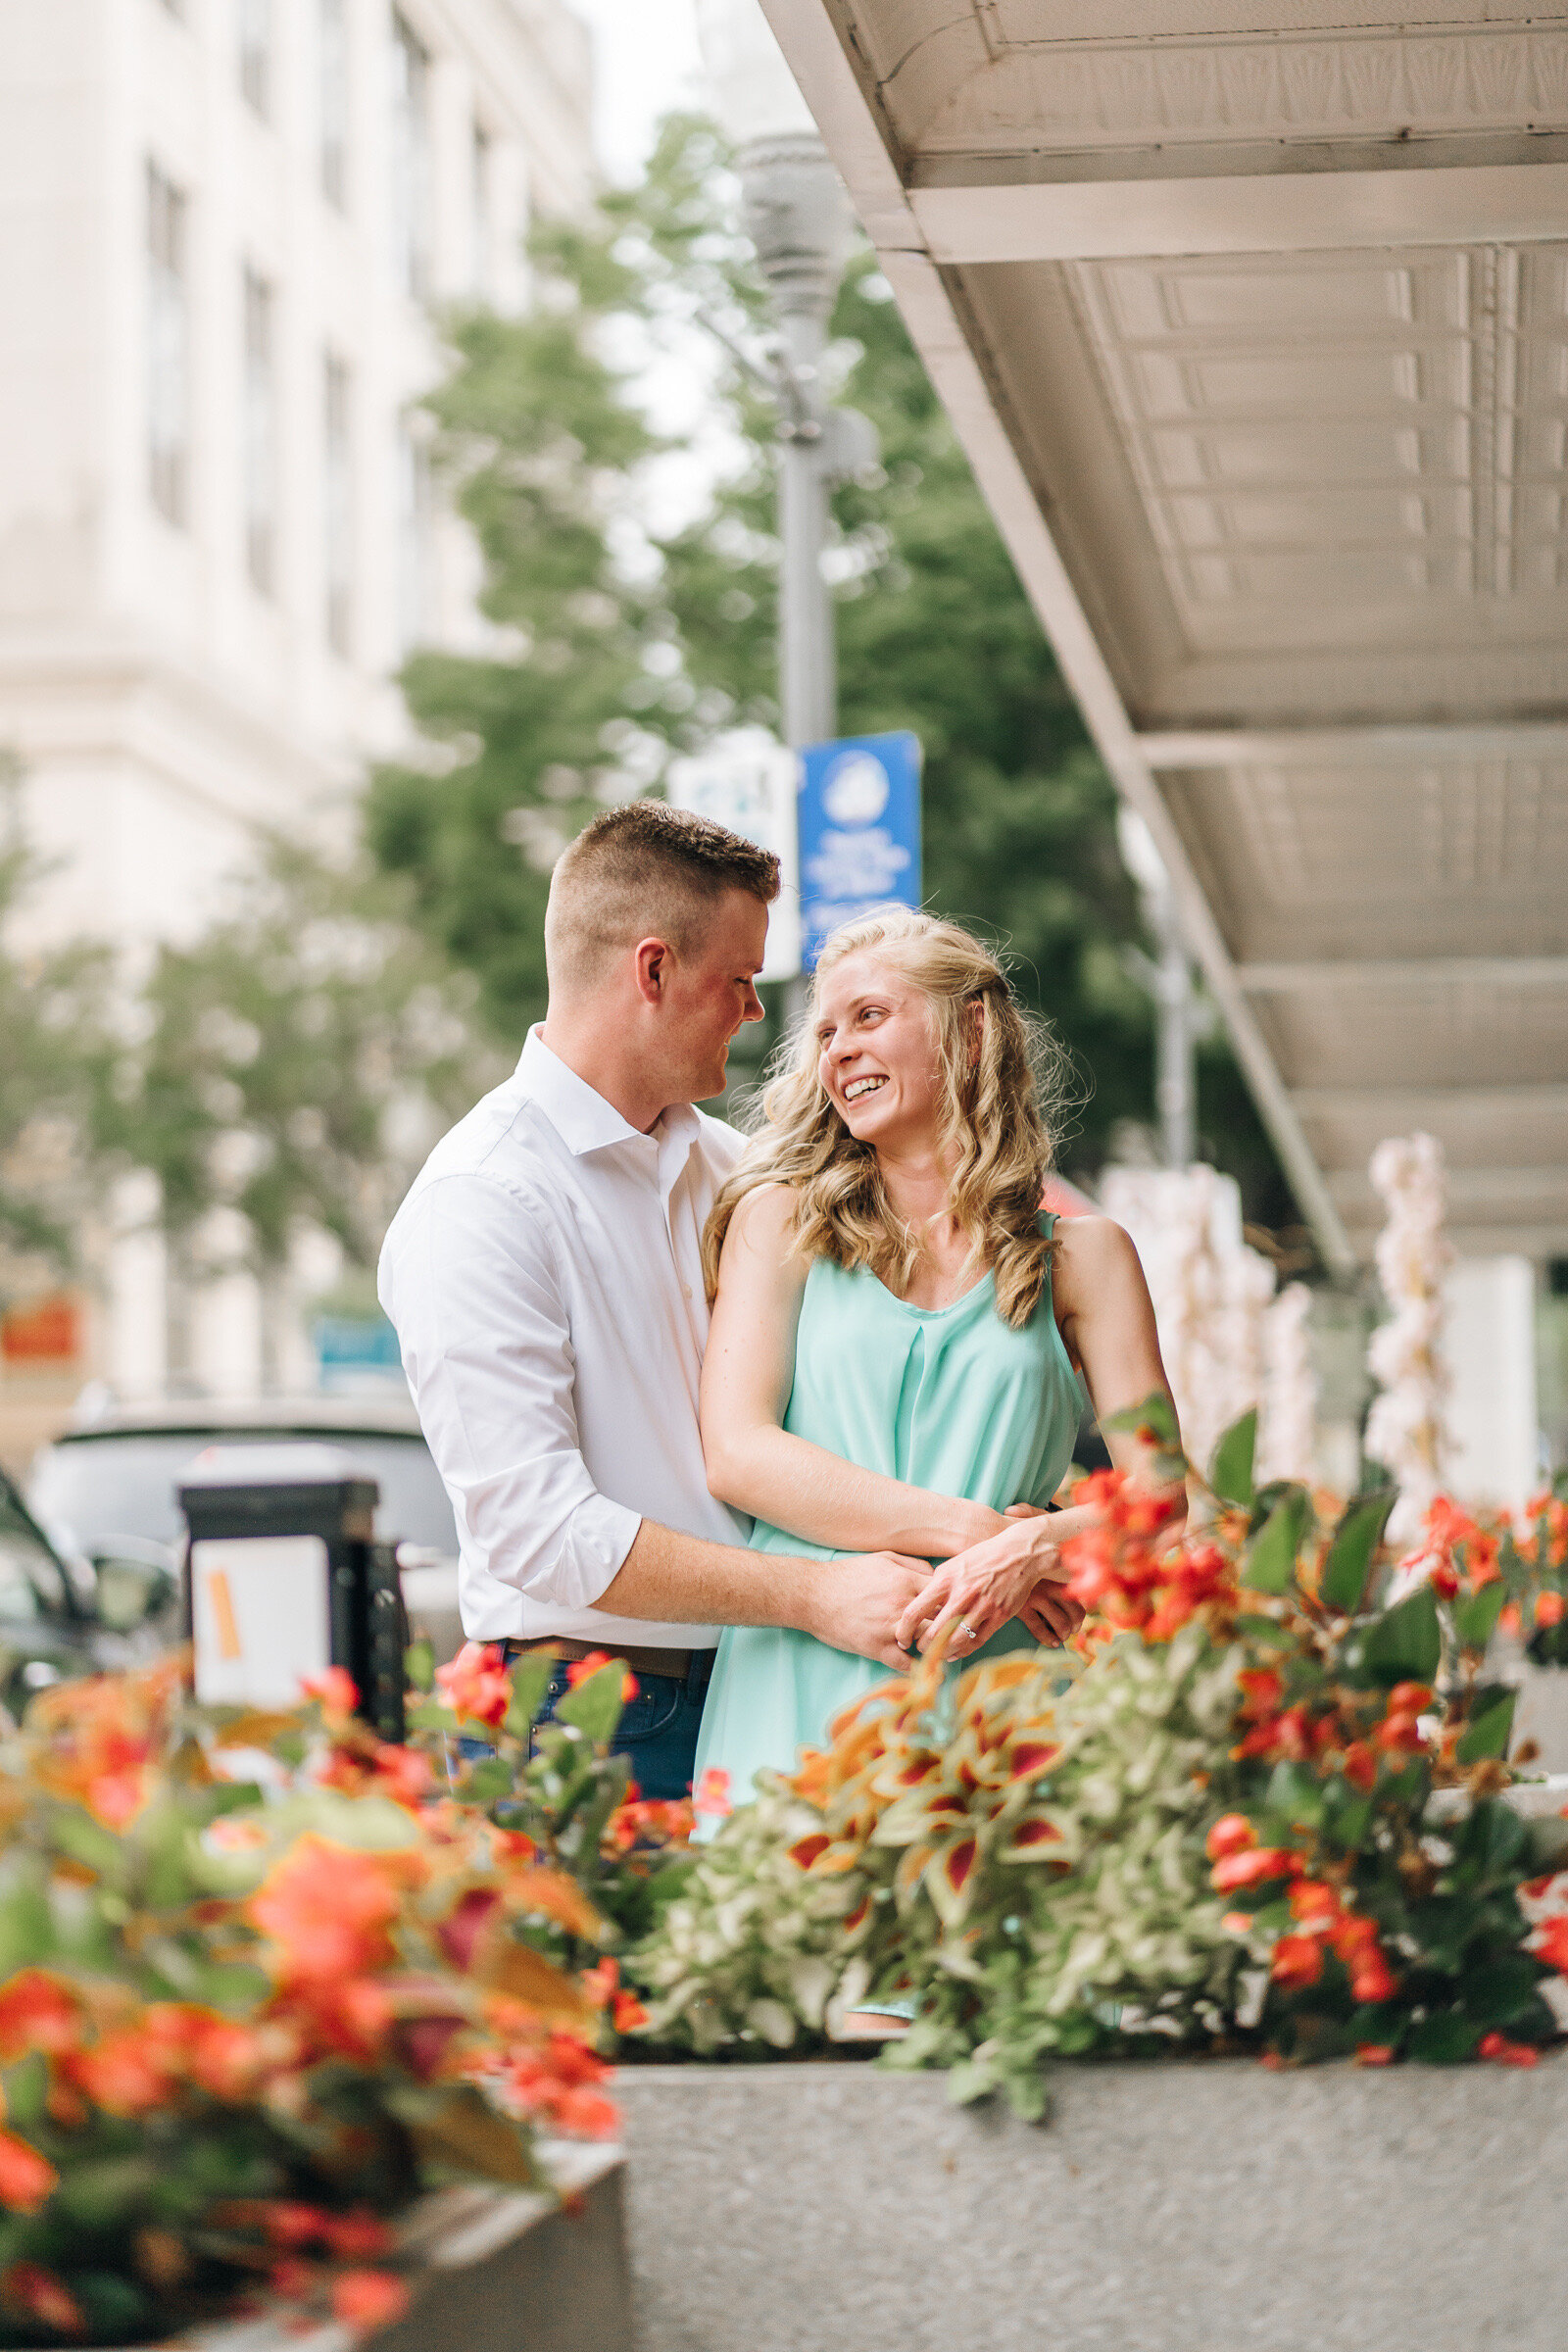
950, 1399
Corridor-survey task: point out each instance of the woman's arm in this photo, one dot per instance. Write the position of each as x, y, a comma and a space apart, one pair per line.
1107, 1319
753, 1462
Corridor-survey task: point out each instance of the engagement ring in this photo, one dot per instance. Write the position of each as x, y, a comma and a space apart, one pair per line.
965, 1630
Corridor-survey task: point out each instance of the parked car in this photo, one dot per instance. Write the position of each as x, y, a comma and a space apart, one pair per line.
60, 1617
108, 1491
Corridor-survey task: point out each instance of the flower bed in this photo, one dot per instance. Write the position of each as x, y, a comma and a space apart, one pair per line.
241, 2031
1264, 1815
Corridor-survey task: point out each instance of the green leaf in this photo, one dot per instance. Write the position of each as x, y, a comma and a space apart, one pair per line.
1475, 1614
1499, 1992
1355, 1539
530, 1680
1294, 1794
1231, 1472
1156, 1414
1265, 1629
26, 2087
486, 1780
1489, 1735
595, 1705
1405, 1644
87, 1841
1447, 2039
431, 1715
1271, 1555
419, 1665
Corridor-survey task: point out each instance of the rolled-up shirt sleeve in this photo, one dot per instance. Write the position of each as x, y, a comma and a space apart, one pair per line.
474, 1293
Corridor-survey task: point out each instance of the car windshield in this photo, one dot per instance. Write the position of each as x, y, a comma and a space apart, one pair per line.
123, 1482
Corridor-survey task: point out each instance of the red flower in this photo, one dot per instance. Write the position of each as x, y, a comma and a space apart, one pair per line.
1251, 1868
1409, 1698
628, 2013
124, 2073
1550, 1943
1232, 1834
1374, 2053
27, 2178
713, 1798
36, 2013
1399, 1734
336, 1690
368, 2299
804, 1852
1372, 1981
292, 2225
581, 1668
1550, 1608
1359, 1766
1314, 1904
40, 2295
1297, 1960
356, 2237
1503, 2052
475, 1684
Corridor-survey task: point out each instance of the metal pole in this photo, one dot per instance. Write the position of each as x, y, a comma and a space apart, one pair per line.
806, 665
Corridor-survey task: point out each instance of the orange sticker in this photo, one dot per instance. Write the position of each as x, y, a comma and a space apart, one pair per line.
222, 1607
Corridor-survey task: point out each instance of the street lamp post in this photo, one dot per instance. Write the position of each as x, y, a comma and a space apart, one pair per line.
1182, 1018
798, 219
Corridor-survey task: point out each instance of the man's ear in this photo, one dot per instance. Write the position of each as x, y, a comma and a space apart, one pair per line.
652, 971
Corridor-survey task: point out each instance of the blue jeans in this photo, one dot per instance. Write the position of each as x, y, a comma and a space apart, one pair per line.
657, 1731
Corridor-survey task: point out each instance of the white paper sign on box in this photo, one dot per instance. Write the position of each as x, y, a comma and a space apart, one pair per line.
261, 1618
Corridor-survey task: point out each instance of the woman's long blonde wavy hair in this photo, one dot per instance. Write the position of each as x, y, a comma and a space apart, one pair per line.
993, 1126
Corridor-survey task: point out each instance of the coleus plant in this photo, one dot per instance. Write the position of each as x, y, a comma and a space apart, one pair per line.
1262, 1811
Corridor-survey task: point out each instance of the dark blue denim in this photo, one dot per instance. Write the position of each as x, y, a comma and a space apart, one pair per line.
658, 1728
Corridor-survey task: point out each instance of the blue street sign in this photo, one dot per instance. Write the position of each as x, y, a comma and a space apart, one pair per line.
860, 809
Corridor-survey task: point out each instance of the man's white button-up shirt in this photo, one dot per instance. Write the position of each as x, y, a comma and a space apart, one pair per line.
545, 1279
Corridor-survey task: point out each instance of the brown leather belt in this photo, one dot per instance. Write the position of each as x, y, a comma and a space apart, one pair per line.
669, 1665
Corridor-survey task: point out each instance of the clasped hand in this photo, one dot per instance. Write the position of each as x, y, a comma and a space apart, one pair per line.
1016, 1572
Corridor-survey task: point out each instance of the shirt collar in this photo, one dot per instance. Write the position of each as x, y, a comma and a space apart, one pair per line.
582, 1118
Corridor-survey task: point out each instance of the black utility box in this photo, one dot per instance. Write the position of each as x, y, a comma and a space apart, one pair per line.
283, 1578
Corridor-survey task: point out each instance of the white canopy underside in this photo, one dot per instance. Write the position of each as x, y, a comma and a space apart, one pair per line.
1254, 320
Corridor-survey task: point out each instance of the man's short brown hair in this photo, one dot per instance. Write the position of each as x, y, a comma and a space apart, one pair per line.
644, 870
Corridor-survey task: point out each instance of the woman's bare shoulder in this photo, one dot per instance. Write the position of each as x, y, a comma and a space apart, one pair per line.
764, 1221
1090, 1252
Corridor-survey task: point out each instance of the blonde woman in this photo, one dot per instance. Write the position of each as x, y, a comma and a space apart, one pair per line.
898, 1330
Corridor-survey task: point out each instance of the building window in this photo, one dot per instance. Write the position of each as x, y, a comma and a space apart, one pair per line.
261, 435
255, 54
411, 160
482, 259
414, 538
338, 486
167, 348
334, 63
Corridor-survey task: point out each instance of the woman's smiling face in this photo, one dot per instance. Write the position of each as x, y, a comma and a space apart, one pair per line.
876, 1053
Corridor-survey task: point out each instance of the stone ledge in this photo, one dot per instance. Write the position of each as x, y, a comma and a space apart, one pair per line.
1189, 2206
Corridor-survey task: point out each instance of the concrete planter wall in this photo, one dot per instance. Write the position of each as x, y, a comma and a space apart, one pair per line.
1189, 2206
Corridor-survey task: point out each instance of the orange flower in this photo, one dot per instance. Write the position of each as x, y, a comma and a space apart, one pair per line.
365, 2300
36, 2013
27, 2178
124, 2073
581, 1668
327, 1907
1296, 1960
1374, 2053
712, 1800
1313, 1903
1550, 1608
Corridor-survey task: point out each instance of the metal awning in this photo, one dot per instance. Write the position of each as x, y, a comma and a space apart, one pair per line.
1253, 321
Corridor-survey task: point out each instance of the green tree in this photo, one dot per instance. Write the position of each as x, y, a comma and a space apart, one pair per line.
295, 1063
627, 645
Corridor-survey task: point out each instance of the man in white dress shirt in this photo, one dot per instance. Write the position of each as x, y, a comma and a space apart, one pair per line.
545, 1279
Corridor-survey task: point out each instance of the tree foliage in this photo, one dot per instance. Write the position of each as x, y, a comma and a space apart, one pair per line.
618, 643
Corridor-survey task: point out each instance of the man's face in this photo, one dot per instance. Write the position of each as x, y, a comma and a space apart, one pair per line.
712, 993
